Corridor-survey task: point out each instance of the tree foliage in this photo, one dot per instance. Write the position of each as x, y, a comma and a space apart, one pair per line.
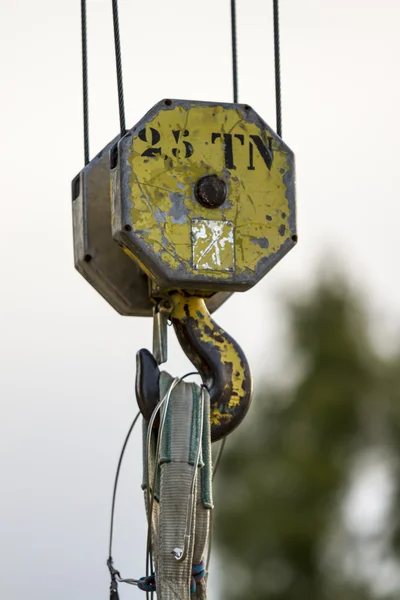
308, 492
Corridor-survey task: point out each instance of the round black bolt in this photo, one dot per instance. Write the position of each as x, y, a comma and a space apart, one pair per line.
210, 191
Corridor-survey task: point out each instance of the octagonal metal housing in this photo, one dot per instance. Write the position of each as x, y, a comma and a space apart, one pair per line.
203, 247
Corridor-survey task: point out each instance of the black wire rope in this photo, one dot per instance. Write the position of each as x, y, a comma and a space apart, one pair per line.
128, 435
218, 457
118, 62
278, 97
85, 82
234, 52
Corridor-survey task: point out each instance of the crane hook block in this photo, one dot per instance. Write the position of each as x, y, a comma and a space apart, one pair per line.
203, 197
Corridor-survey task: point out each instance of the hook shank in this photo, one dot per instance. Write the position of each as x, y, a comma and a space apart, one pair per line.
218, 358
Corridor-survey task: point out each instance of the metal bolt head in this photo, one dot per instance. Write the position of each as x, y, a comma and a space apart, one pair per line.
210, 191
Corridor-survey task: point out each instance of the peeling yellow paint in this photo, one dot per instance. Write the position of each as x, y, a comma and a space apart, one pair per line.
195, 308
217, 417
162, 187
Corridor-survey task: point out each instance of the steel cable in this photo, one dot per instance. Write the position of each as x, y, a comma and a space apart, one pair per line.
128, 435
215, 468
85, 82
278, 98
234, 52
118, 62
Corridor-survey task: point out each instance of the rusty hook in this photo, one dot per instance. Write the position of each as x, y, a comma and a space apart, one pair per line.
215, 354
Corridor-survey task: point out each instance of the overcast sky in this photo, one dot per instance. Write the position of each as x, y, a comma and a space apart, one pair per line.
67, 359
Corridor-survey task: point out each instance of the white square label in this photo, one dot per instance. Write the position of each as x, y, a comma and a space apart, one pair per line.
213, 245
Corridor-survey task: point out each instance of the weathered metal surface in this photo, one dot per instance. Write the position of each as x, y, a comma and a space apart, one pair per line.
184, 234
160, 333
97, 256
218, 358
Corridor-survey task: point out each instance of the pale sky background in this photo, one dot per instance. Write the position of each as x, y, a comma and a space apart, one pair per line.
67, 359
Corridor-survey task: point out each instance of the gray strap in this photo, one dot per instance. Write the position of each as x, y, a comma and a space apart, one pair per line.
173, 578
175, 469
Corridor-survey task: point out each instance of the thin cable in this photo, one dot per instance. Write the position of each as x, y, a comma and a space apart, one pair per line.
128, 435
118, 62
277, 69
85, 81
219, 456
216, 465
234, 52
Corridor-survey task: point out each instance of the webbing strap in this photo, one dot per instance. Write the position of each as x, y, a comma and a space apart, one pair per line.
175, 467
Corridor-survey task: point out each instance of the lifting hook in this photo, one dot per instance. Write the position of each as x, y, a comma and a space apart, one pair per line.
218, 358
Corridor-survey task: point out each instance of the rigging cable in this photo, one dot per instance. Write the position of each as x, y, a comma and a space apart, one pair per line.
215, 468
218, 457
85, 82
128, 435
234, 52
118, 63
277, 69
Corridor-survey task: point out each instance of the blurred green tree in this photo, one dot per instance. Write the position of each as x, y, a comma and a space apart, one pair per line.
308, 492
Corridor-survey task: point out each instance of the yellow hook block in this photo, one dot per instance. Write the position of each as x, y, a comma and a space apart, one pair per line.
203, 197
